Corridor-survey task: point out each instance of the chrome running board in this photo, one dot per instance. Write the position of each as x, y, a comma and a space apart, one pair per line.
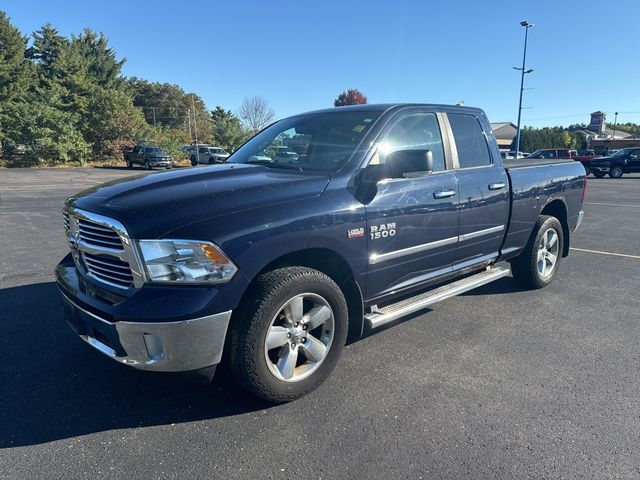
389, 313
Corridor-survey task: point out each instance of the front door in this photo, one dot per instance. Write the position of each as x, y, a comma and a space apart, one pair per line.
412, 221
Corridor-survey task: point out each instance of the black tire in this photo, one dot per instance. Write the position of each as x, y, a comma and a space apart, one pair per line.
599, 174
194, 161
616, 171
587, 171
526, 267
251, 323
129, 164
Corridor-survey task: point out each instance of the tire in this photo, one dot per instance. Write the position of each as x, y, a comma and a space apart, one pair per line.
587, 171
616, 171
533, 267
599, 174
274, 309
129, 164
194, 162
146, 165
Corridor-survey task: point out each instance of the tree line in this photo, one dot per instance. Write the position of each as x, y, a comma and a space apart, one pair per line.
66, 100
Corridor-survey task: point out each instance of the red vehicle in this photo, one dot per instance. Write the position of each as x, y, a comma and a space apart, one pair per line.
564, 153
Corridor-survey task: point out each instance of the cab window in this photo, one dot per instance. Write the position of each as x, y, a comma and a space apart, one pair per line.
403, 149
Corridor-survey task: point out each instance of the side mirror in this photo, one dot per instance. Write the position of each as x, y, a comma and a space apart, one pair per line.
410, 163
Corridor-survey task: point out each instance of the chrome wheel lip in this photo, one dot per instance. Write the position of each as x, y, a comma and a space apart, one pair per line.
292, 328
547, 255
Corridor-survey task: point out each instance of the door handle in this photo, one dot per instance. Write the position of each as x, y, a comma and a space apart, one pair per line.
443, 194
497, 186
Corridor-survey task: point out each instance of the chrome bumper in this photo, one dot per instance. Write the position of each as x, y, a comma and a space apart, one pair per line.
579, 221
164, 347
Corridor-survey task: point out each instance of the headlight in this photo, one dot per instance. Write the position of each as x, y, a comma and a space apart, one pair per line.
185, 261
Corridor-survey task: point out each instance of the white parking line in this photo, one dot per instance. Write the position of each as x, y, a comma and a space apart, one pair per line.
637, 257
612, 204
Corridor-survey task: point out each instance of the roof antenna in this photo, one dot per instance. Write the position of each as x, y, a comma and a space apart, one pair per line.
460, 103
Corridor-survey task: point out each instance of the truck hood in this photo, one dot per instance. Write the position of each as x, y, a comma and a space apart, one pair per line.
154, 205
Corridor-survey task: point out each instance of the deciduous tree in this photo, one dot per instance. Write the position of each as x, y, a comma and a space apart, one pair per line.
255, 113
350, 97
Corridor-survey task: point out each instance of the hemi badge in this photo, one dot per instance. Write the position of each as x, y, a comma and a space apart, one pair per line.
355, 233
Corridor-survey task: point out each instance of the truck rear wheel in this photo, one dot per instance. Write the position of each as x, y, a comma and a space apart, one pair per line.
287, 338
616, 171
538, 263
194, 162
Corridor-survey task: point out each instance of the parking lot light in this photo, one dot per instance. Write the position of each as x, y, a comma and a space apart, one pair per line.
523, 71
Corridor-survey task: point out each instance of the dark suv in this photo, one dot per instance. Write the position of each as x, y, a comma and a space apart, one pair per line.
623, 161
148, 156
551, 153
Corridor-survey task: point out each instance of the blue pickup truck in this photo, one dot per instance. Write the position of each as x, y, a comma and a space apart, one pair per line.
269, 263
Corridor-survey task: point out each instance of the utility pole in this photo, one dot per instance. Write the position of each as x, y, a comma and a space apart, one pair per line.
526, 26
195, 129
154, 117
615, 124
189, 123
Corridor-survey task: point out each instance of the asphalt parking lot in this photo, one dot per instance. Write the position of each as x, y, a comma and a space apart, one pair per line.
498, 383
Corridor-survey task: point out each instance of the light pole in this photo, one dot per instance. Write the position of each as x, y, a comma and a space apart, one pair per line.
526, 26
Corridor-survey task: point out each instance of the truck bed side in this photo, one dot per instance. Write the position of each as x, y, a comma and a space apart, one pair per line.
551, 186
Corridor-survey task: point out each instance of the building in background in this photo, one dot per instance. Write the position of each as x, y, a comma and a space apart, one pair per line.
602, 138
504, 132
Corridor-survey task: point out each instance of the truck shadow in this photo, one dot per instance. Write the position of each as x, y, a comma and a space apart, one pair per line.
502, 286
55, 387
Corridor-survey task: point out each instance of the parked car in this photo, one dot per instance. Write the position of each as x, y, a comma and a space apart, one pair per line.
550, 153
284, 155
626, 160
208, 155
279, 262
512, 154
148, 156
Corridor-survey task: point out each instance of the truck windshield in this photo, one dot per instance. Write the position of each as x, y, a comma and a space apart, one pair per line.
318, 142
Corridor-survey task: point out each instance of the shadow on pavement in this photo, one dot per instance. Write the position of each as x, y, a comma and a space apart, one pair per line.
53, 386
504, 285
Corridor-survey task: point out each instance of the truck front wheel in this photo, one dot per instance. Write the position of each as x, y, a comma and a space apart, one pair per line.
287, 338
538, 263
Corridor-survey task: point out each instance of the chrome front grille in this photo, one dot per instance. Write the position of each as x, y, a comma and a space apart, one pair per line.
98, 235
108, 269
102, 248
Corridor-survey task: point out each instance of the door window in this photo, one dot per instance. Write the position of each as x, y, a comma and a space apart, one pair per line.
471, 143
404, 146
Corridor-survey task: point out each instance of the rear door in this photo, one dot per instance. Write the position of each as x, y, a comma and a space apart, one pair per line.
138, 154
412, 221
483, 188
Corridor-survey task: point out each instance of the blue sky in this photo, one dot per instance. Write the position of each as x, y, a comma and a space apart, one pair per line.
299, 55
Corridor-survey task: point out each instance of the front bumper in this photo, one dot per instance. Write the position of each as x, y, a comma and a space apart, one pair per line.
160, 163
181, 346
601, 169
579, 220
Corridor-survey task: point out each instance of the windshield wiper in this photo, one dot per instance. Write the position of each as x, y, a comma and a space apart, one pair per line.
267, 163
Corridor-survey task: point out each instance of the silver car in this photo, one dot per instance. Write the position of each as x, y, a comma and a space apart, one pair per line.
208, 155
